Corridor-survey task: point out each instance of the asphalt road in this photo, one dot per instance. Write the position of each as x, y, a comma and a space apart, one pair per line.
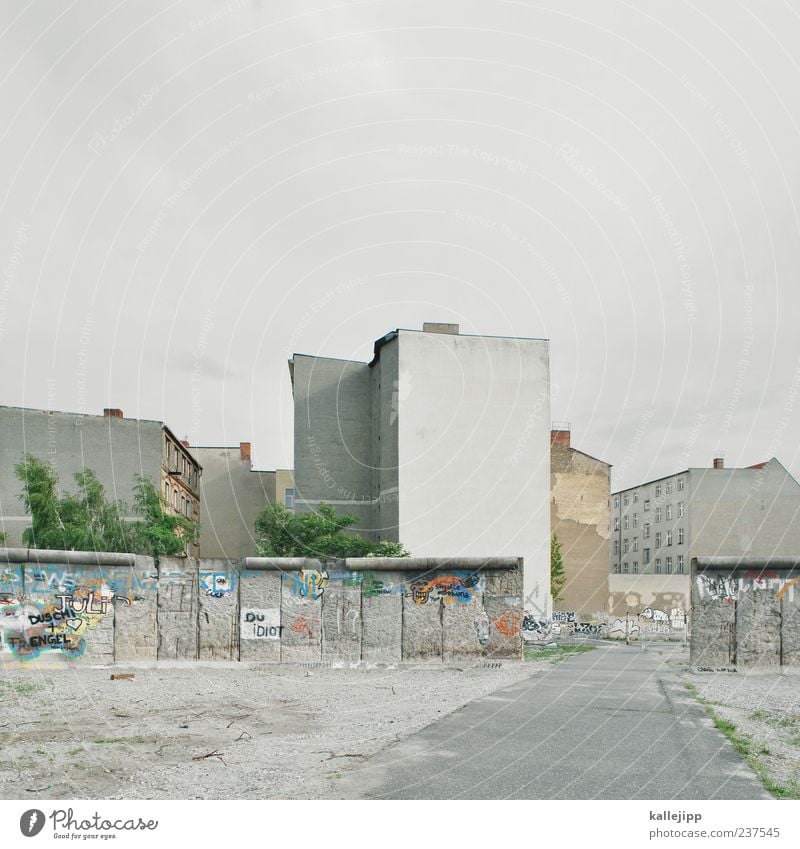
614, 723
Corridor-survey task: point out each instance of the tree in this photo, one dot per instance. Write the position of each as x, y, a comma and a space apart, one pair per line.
158, 532
87, 521
557, 576
282, 533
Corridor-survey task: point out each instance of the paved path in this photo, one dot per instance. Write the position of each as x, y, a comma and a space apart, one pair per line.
614, 723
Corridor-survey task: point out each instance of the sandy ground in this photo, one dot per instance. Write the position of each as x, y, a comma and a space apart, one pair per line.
70, 732
765, 708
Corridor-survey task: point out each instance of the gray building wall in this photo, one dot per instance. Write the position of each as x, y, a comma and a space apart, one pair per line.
333, 437
441, 442
115, 449
231, 497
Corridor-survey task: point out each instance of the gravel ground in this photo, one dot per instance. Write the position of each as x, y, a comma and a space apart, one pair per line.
281, 731
765, 708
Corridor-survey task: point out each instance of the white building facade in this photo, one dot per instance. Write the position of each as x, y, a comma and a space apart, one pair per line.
441, 442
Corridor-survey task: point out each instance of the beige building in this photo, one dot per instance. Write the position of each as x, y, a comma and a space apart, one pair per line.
233, 494
579, 514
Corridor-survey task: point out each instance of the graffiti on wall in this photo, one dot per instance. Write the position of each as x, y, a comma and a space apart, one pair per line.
260, 624
217, 584
536, 630
374, 585
447, 588
482, 627
727, 588
563, 616
508, 623
307, 584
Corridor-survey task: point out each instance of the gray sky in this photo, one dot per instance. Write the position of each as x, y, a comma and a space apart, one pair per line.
192, 191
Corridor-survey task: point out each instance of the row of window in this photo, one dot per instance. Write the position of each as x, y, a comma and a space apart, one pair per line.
665, 539
179, 502
660, 489
632, 520
665, 569
178, 462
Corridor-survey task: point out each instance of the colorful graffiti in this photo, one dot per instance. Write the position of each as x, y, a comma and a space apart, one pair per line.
307, 584
447, 588
217, 584
536, 630
373, 585
31, 628
508, 623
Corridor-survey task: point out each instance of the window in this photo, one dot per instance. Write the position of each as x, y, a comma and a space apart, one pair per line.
658, 540
635, 497
680, 484
658, 514
658, 565
636, 543
188, 509
616, 502
175, 499
658, 490
668, 510
616, 547
288, 498
680, 536
626, 499
616, 523
680, 563
625, 568
646, 530
635, 567
647, 504
680, 509
625, 523
646, 556
669, 537
669, 565
183, 505
625, 546
635, 520
616, 568
668, 488
166, 492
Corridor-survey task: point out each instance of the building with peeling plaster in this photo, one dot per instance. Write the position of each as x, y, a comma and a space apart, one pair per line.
579, 514
441, 442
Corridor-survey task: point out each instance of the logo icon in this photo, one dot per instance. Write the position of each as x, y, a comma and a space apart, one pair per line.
31, 822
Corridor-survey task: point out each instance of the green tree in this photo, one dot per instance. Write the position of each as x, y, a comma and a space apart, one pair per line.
158, 532
87, 521
557, 576
282, 533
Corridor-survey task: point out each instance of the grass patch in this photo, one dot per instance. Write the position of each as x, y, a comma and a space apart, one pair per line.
556, 652
744, 746
75, 751
112, 740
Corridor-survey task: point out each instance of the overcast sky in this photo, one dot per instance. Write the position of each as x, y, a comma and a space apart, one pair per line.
192, 191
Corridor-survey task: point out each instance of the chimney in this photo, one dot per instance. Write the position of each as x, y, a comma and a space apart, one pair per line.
185, 443
112, 413
560, 433
244, 451
439, 327
719, 462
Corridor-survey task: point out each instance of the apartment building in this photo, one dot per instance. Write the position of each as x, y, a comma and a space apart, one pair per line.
658, 526
115, 448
